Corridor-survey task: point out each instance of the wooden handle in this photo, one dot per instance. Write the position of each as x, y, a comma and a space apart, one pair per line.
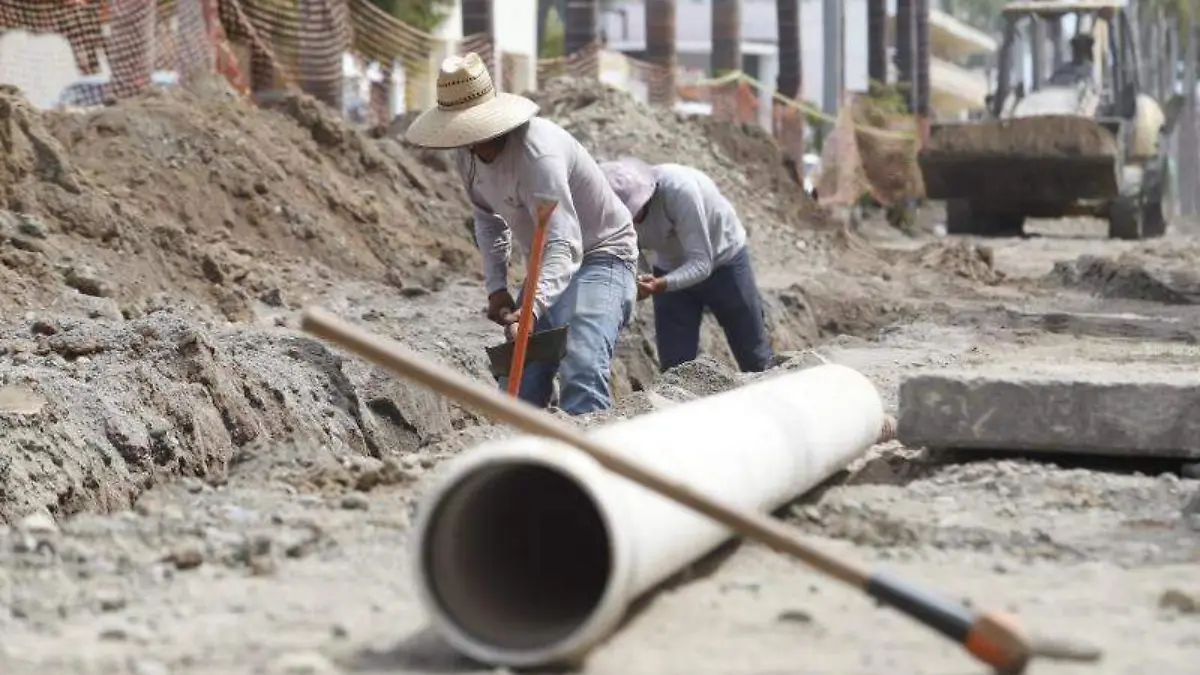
516, 371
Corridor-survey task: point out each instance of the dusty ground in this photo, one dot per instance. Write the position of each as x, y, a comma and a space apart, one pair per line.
191, 486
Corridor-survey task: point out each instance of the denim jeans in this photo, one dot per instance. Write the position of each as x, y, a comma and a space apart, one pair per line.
731, 293
597, 304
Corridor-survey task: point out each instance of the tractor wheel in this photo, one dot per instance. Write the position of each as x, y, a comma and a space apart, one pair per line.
1125, 218
958, 217
963, 218
1154, 187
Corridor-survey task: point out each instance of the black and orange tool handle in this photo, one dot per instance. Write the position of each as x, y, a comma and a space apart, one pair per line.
990, 638
516, 371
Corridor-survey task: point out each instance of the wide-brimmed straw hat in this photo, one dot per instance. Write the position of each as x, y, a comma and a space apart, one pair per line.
469, 109
633, 180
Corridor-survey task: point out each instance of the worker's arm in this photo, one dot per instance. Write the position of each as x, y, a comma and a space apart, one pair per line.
492, 235
564, 236
685, 207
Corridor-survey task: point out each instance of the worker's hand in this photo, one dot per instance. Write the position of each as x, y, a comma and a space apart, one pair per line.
648, 285
510, 330
501, 307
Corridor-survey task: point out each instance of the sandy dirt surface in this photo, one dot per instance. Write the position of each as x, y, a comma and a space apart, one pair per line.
190, 485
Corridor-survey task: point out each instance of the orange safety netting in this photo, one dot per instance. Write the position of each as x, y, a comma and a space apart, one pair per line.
257, 45
869, 153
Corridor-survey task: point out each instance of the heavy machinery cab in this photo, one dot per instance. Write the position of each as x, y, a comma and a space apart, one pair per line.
1059, 137
1108, 92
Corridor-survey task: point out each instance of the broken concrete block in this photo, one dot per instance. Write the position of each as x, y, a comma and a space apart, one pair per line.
1106, 409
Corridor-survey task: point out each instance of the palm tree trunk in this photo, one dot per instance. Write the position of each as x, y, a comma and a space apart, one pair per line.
726, 54
726, 36
581, 22
924, 90
660, 50
905, 37
789, 123
877, 41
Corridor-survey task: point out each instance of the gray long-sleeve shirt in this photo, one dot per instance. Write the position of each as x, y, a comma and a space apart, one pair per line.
543, 160
690, 226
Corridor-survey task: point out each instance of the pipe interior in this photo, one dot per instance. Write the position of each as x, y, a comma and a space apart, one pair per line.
517, 555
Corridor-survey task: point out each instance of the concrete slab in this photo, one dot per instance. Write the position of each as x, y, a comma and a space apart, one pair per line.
1088, 408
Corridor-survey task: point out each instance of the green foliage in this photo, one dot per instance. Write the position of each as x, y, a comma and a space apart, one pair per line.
982, 14
554, 41
888, 98
424, 15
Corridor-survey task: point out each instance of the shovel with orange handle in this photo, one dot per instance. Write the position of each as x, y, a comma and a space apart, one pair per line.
545, 208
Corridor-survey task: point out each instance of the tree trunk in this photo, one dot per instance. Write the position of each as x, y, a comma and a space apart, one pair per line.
877, 41
923, 89
726, 55
789, 123
581, 23
726, 36
660, 50
905, 37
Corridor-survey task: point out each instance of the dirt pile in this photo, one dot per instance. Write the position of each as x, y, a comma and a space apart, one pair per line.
97, 411
1026, 137
202, 196
1119, 279
961, 259
743, 160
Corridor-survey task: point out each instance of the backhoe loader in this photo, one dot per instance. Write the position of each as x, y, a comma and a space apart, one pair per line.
1085, 141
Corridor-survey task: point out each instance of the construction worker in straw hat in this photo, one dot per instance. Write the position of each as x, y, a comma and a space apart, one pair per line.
700, 261
507, 158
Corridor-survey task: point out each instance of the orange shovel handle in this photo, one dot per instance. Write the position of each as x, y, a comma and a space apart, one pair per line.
532, 274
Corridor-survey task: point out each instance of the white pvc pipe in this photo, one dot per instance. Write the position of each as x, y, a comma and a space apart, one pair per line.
528, 552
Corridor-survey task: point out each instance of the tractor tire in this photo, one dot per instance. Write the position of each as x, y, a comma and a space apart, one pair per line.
963, 218
1154, 187
1125, 218
958, 217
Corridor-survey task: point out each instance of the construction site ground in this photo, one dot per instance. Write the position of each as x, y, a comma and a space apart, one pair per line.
190, 485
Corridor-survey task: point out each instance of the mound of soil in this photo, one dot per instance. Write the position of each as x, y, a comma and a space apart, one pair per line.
961, 259
1026, 137
742, 159
1115, 279
208, 198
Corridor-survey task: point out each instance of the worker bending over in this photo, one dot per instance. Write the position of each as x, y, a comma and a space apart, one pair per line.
508, 158
701, 261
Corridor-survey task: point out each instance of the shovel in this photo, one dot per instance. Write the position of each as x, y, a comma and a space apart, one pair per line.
548, 346
545, 208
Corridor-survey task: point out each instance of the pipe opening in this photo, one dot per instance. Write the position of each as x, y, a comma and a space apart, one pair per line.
517, 555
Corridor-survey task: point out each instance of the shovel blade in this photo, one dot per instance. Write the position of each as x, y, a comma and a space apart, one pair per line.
548, 346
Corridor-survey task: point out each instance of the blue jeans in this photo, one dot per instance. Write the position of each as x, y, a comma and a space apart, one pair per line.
597, 304
731, 293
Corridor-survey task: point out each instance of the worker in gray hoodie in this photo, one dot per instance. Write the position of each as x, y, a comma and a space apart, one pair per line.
700, 261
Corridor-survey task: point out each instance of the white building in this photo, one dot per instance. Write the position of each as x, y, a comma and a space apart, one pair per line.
954, 88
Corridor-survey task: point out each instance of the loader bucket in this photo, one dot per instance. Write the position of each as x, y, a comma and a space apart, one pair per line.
1007, 164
